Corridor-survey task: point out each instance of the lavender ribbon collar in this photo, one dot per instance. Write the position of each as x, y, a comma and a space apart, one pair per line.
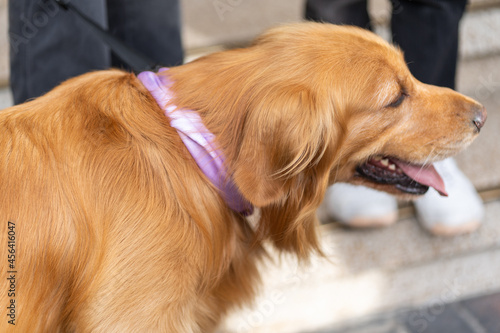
198, 140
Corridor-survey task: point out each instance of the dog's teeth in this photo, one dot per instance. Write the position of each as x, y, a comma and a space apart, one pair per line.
377, 158
385, 162
392, 167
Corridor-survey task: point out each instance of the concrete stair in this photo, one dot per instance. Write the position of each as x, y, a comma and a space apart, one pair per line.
373, 271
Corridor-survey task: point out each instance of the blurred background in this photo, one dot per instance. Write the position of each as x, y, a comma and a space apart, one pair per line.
397, 279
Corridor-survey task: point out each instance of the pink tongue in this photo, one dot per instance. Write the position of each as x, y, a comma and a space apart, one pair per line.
426, 175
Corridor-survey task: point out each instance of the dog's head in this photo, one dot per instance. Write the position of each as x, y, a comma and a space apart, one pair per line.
310, 104
385, 127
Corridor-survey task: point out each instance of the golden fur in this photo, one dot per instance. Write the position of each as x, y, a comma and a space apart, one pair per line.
116, 228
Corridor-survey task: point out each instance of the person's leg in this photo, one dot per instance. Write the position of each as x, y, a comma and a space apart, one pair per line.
461, 212
153, 27
351, 12
49, 45
360, 206
427, 31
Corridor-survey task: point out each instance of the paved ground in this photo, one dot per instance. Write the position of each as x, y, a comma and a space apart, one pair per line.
475, 315
370, 275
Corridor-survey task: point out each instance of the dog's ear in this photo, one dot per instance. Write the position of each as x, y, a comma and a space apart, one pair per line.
284, 163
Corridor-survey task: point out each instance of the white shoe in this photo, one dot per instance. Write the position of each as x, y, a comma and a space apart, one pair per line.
359, 206
461, 212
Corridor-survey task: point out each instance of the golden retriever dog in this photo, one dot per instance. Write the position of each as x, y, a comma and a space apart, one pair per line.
109, 223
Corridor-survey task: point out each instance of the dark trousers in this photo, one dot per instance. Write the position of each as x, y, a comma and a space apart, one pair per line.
426, 30
49, 45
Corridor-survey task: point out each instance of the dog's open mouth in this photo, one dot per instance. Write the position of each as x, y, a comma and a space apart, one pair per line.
406, 177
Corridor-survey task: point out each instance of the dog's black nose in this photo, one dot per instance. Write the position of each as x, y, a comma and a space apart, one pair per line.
480, 116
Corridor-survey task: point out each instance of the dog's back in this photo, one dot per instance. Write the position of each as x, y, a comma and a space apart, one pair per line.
89, 194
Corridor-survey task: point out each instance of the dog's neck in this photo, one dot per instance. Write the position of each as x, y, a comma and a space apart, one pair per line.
198, 140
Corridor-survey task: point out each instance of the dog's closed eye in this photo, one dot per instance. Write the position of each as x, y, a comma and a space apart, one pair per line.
401, 97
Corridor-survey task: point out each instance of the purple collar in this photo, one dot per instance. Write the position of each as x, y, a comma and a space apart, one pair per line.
198, 140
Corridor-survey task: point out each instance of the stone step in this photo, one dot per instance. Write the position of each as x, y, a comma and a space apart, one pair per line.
480, 79
368, 272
